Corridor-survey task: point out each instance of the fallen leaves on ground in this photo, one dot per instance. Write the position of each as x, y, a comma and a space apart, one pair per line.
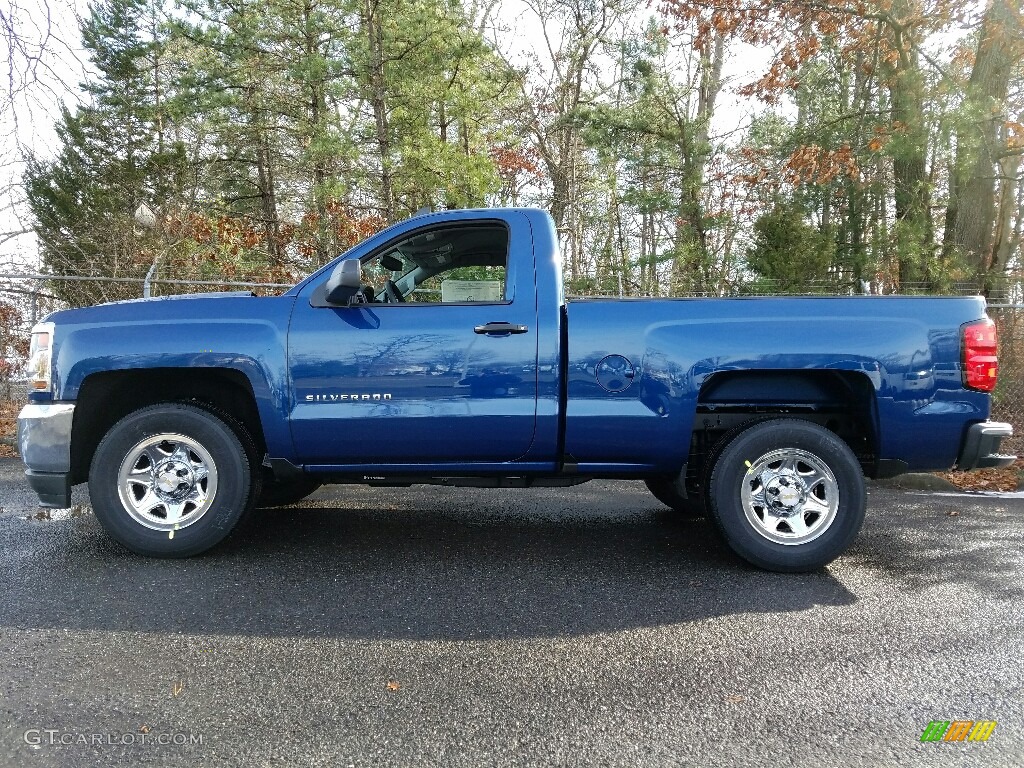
1007, 479
9, 427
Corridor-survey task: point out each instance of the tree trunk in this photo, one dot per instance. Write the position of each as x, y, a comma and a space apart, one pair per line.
264, 179
970, 218
268, 201
695, 149
317, 106
1006, 240
378, 103
910, 166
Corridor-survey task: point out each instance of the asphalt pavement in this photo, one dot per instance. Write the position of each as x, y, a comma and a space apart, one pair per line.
454, 627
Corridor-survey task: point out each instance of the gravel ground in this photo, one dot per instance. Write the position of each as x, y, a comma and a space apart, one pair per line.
584, 626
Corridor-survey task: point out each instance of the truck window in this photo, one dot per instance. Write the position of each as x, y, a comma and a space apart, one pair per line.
457, 264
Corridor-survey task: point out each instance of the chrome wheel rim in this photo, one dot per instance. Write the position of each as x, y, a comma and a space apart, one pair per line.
167, 482
790, 496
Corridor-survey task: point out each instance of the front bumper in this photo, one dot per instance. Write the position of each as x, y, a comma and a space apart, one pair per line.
981, 446
44, 439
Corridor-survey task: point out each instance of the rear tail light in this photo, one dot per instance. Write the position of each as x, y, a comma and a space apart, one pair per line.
981, 366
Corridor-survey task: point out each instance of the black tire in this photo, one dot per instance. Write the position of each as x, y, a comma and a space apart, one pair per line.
667, 490
257, 477
232, 498
278, 493
790, 532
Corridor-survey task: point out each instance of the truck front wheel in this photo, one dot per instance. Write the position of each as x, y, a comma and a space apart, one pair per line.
171, 480
787, 495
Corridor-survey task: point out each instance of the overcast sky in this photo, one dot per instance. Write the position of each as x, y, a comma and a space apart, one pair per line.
26, 120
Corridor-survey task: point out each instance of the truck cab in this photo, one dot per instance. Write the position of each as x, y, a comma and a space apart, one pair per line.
449, 331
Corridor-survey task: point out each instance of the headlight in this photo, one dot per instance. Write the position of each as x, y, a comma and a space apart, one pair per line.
40, 354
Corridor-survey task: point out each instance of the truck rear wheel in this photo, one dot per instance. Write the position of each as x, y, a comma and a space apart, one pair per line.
171, 480
787, 495
667, 490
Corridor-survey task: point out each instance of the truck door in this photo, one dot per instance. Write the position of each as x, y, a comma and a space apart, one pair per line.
438, 367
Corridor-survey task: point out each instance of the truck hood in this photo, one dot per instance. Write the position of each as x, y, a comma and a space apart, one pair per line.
119, 310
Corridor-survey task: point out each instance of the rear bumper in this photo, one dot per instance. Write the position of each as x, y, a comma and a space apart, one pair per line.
44, 439
981, 446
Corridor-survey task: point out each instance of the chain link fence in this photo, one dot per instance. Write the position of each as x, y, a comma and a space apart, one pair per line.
1008, 401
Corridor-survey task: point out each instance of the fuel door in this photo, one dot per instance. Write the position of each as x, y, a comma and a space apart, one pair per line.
615, 373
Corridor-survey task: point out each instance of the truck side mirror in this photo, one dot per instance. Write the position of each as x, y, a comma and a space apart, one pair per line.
344, 286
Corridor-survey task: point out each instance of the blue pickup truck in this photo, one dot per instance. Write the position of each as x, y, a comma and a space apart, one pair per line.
442, 350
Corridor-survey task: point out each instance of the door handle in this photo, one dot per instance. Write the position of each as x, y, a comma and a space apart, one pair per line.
500, 329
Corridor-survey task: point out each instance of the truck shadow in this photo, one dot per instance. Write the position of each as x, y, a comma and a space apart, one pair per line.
393, 565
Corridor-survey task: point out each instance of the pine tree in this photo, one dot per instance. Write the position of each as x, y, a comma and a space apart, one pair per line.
114, 156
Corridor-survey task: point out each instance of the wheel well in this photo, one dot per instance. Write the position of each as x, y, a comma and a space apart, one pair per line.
841, 401
105, 398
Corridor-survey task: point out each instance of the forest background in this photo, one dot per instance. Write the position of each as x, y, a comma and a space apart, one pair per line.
266, 137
